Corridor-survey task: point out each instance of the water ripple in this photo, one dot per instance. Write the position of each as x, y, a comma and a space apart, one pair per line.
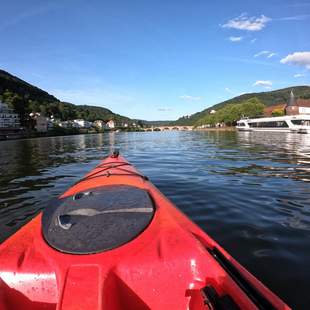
250, 191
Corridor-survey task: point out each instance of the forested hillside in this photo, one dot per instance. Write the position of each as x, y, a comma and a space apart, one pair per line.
269, 98
25, 98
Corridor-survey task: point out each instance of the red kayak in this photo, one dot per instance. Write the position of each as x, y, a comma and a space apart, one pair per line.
114, 241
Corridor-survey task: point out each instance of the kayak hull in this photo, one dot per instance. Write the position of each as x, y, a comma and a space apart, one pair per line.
167, 266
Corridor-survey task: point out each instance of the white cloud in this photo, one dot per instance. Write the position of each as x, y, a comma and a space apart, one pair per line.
266, 84
190, 98
228, 90
298, 59
244, 22
299, 75
271, 55
235, 39
294, 18
253, 40
261, 53
268, 54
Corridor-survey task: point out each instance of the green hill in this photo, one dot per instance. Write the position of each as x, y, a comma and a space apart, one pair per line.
25, 98
92, 113
269, 98
27, 91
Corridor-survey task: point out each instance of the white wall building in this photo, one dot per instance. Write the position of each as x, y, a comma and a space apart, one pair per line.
41, 123
8, 119
82, 123
100, 124
110, 124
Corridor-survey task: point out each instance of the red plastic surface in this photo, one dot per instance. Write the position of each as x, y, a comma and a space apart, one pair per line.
165, 267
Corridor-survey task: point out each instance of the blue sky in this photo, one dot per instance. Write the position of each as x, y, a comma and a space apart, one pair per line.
156, 60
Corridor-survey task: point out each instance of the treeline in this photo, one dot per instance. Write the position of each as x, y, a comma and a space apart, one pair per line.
231, 113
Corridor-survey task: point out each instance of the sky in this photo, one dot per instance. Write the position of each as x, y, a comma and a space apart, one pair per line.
156, 60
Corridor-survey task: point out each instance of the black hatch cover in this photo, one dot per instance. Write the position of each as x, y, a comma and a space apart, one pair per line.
98, 219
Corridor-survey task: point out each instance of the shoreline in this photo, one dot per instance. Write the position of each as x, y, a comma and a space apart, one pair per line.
34, 135
230, 128
62, 134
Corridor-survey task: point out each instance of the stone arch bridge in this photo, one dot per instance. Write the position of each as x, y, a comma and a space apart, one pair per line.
170, 128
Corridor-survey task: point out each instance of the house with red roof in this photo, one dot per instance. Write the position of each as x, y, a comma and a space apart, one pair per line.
293, 107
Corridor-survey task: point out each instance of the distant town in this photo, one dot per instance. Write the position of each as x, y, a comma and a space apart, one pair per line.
10, 125
39, 125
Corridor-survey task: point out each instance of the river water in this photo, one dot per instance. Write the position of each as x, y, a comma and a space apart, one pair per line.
249, 191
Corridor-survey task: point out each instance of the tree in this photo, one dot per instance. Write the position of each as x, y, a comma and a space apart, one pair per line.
231, 113
253, 107
278, 112
43, 110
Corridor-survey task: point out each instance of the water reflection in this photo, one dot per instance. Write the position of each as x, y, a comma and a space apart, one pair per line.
297, 145
287, 155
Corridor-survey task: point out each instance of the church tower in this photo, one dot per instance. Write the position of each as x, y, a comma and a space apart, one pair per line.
291, 107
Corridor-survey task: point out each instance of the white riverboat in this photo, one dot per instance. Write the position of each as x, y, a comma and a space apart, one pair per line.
289, 123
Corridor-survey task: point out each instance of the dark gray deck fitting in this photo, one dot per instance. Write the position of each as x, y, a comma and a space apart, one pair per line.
97, 220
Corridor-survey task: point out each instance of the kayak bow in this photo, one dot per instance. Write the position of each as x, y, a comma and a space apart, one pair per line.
114, 241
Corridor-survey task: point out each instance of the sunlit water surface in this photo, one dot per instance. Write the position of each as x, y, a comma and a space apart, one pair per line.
249, 191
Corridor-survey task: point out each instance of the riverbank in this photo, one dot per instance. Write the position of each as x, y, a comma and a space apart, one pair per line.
30, 134
70, 132
228, 128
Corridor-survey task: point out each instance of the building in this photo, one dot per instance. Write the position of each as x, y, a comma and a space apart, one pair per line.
67, 124
292, 107
100, 124
110, 124
212, 111
63, 124
50, 123
279, 107
41, 123
8, 119
81, 123
297, 106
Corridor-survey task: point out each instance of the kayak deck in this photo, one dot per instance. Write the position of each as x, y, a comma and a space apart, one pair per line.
162, 261
98, 219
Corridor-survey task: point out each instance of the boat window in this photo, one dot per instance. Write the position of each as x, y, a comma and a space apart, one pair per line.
279, 124
241, 124
301, 122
